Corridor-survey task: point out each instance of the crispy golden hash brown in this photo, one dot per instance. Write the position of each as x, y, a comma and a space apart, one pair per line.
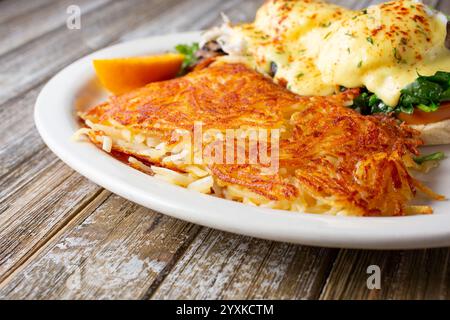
222, 97
334, 159
331, 159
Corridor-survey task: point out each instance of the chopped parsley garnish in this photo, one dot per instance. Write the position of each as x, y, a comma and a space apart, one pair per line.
189, 56
370, 40
397, 56
430, 157
349, 34
360, 64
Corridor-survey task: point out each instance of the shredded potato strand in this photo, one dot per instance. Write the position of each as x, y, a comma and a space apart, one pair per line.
332, 160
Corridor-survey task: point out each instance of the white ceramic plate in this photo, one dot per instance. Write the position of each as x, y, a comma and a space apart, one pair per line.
74, 87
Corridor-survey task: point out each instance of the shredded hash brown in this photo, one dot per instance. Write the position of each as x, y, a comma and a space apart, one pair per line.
332, 159
228, 96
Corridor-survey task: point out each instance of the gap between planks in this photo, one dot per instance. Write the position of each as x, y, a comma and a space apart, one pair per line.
15, 8
221, 265
61, 46
36, 248
77, 216
57, 233
118, 252
18, 31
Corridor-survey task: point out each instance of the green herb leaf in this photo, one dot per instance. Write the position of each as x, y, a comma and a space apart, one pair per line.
189, 56
370, 40
430, 108
409, 109
349, 34
368, 103
440, 77
445, 96
426, 93
431, 157
361, 103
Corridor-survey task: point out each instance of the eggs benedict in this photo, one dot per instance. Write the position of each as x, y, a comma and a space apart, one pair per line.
396, 51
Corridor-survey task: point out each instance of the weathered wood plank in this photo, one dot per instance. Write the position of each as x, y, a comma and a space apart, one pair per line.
220, 265
358, 4
444, 6
20, 141
200, 17
91, 245
17, 117
22, 153
405, 275
120, 251
11, 9
432, 3
352, 4
33, 213
423, 274
42, 57
25, 162
17, 31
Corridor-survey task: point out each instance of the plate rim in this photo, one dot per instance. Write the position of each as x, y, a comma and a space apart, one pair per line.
229, 216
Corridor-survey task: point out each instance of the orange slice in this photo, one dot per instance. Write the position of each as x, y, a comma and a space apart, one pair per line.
125, 74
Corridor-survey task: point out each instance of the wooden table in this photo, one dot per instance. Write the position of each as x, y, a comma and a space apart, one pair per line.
62, 236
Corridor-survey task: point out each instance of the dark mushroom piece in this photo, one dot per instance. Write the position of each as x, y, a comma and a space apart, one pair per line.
447, 38
209, 50
273, 69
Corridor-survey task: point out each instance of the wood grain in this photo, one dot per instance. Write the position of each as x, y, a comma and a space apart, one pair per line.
31, 215
11, 9
423, 274
444, 6
17, 130
201, 16
27, 165
37, 61
19, 30
62, 236
23, 155
220, 265
120, 251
